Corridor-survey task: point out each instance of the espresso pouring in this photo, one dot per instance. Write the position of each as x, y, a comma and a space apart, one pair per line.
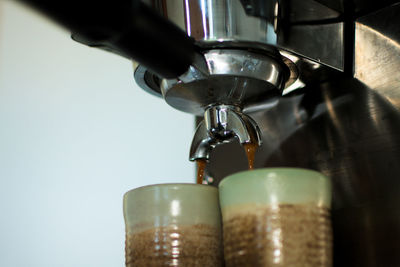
250, 150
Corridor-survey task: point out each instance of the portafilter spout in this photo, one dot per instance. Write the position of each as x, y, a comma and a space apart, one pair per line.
221, 124
224, 85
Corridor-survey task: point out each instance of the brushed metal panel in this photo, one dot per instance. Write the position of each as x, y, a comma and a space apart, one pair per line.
350, 133
377, 52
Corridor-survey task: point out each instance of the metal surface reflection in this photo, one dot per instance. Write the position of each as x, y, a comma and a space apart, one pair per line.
350, 133
377, 50
218, 21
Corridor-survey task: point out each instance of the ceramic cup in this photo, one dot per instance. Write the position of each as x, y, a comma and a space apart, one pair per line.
276, 217
173, 225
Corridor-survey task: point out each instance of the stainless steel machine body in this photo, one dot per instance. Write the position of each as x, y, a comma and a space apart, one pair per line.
335, 109
316, 81
250, 57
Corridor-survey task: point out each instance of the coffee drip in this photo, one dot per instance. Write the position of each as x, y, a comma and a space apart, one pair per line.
250, 150
201, 166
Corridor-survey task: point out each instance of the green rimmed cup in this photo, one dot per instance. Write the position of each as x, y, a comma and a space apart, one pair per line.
276, 217
173, 225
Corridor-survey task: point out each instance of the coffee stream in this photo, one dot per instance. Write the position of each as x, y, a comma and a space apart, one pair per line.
201, 166
250, 150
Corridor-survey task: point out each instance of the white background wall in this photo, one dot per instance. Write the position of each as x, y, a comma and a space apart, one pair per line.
75, 134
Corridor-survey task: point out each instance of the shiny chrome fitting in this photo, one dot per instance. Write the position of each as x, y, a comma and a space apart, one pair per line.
221, 124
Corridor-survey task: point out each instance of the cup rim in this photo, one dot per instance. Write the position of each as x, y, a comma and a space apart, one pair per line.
275, 185
272, 169
188, 185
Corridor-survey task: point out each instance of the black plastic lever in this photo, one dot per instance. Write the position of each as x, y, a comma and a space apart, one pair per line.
125, 27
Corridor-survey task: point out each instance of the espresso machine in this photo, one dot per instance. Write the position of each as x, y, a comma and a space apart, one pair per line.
316, 82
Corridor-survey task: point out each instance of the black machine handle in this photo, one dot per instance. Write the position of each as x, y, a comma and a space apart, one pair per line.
126, 27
